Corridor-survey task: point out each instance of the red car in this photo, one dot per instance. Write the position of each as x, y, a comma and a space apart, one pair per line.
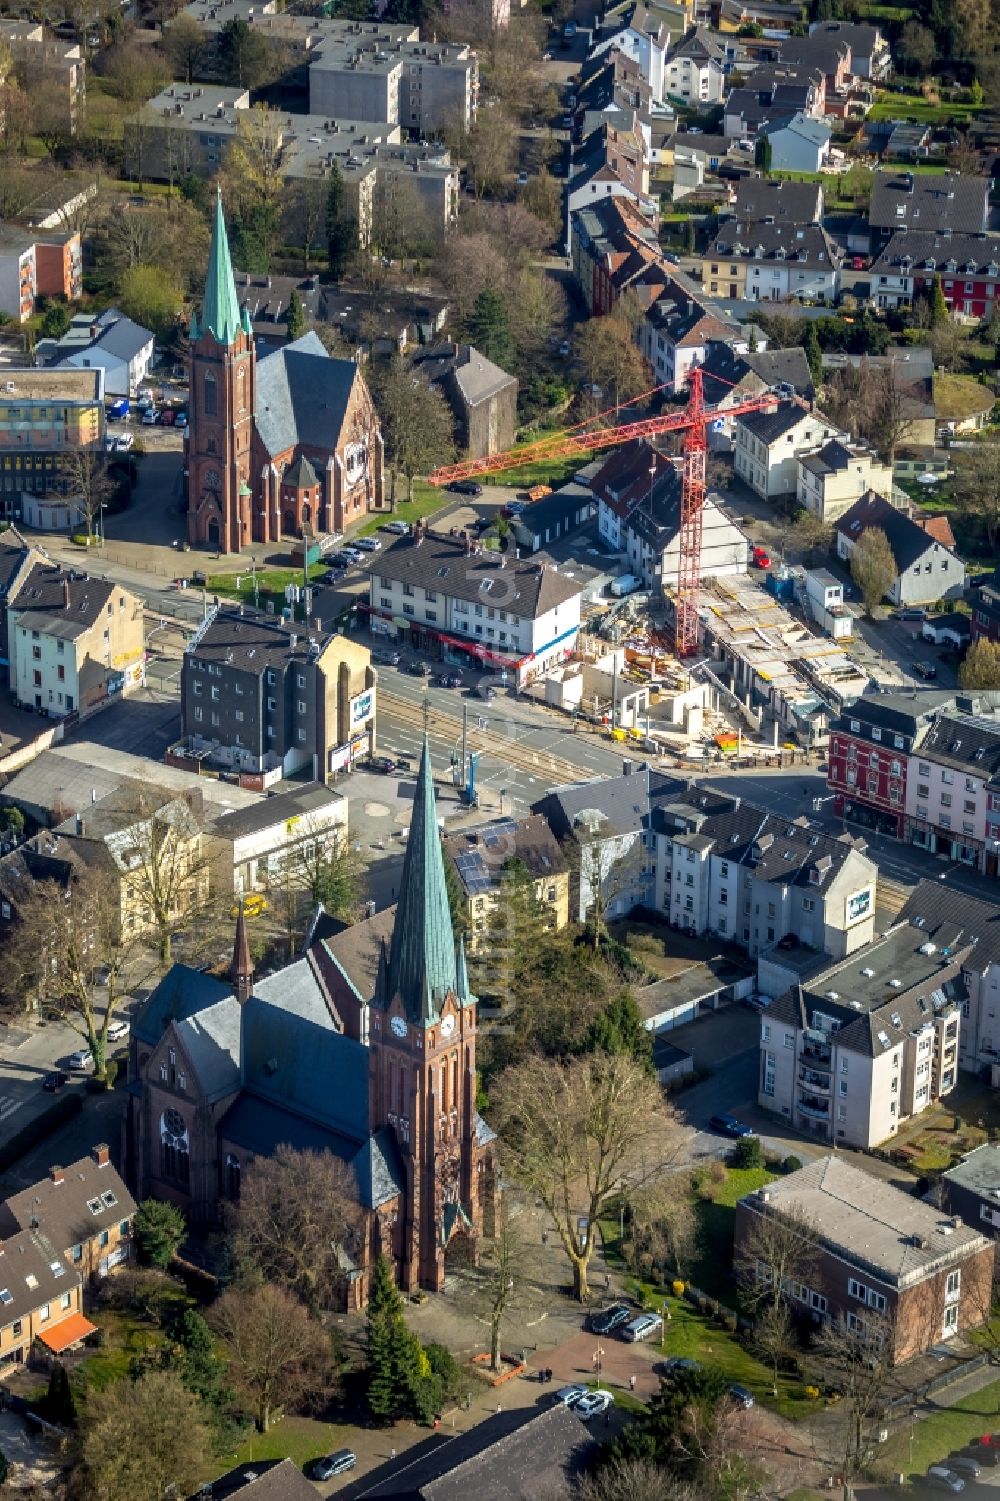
168, 417
761, 558
858, 263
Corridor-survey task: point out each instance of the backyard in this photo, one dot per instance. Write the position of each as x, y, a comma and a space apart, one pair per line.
922, 111
944, 1132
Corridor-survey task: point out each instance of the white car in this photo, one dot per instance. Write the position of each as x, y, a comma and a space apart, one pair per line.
642, 1327
351, 554
149, 417
592, 1405
368, 544
124, 442
568, 1396
83, 1058
118, 1030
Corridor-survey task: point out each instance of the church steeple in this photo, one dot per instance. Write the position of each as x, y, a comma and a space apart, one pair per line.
422, 961
241, 972
220, 312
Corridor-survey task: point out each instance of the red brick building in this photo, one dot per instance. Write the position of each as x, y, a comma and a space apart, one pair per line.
870, 745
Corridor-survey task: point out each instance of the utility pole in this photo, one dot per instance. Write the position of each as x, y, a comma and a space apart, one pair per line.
465, 737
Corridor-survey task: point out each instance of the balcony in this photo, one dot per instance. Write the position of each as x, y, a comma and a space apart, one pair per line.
815, 1108
814, 1080
815, 1053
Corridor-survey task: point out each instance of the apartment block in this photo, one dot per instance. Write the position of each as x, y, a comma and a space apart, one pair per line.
45, 417
854, 1049
17, 273
59, 264
267, 699
420, 85
726, 867
887, 1264
766, 445
41, 58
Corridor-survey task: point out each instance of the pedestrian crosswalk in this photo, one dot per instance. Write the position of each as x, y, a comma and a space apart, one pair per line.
8, 1104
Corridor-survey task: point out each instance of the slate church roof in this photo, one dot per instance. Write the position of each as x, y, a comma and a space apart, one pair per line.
302, 396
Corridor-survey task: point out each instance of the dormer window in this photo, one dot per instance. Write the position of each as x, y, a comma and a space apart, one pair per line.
951, 265
930, 263
779, 254
759, 252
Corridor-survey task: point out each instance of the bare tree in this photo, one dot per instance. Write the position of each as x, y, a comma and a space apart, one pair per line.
873, 567
581, 1134
157, 851
296, 1218
635, 1480
324, 869
977, 486
500, 1283
183, 44
861, 1354
772, 1337
86, 477
663, 1227
278, 1354
773, 1250
606, 869
875, 401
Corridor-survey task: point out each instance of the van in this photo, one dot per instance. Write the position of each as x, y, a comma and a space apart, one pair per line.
642, 1327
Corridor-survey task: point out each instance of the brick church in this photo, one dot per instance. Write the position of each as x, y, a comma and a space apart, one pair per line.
276, 446
365, 1046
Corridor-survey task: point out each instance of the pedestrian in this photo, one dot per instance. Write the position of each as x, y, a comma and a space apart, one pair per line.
545, 1237
607, 1417
548, 1374
631, 1383
607, 1281
392, 1454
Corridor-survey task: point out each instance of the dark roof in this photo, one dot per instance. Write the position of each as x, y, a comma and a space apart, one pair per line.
88, 1199
863, 39
271, 1479
14, 552
469, 374
834, 456
181, 993
302, 396
967, 742
297, 802
33, 1271
914, 250
772, 367
770, 426
906, 714
820, 49
59, 602
907, 540
625, 802
795, 202
950, 918
480, 855
789, 244
439, 563
932, 200
251, 641
515, 1455
300, 476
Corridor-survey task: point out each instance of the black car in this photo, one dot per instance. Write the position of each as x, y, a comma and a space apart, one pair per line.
986, 1454
925, 670
386, 658
610, 1318
336, 1463
465, 487
417, 669
383, 763
730, 1126
55, 1080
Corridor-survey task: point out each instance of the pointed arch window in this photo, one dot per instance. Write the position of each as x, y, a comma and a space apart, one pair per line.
232, 1177
175, 1147
210, 400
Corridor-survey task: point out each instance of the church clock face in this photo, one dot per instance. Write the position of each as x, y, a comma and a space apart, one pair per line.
447, 1026
398, 1025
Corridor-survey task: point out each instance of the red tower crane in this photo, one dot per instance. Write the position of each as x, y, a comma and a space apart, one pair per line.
692, 422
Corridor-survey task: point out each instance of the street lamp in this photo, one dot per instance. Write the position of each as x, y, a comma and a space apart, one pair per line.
598, 1356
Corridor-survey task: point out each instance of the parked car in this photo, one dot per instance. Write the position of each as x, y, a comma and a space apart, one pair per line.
386, 658
911, 613
965, 1465
384, 764
199, 577
167, 417
986, 1452
730, 1126
181, 420
592, 1405
368, 544
610, 1319
336, 568
925, 670
350, 553
642, 1327
54, 1081
943, 1479
118, 1031
399, 527
761, 558
568, 1396
675, 1365
337, 1463
741, 1395
124, 442
564, 349
418, 669
150, 417
465, 487
449, 679
83, 1058
522, 179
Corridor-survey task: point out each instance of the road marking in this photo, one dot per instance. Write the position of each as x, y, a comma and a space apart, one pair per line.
8, 1104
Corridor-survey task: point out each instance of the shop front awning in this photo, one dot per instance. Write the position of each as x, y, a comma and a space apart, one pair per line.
70, 1332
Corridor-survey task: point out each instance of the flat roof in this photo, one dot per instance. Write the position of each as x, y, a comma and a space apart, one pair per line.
979, 1170
57, 384
870, 1223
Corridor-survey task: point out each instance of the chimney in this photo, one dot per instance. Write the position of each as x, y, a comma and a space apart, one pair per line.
628, 766
65, 584
81, 827
101, 1154
241, 970
56, 1174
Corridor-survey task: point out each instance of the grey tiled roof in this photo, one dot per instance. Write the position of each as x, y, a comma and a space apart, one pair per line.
770, 426
925, 250
252, 641
271, 1479
439, 563
181, 993
795, 202
938, 200
30, 1254
62, 1210
789, 244
211, 1039
302, 396
378, 1170
625, 801
949, 918
297, 802
41, 601
907, 540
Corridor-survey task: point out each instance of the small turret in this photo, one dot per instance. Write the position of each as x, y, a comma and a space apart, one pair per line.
241, 972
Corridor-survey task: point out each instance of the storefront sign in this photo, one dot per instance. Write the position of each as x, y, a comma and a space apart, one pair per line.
362, 707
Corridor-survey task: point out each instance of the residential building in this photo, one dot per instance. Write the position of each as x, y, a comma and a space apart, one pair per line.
482, 397
909, 375
223, 1071
948, 918
774, 94
423, 86
766, 445
676, 333
110, 342
17, 273
47, 416
850, 1051
934, 201
869, 756
770, 262
967, 266
951, 789
610, 822
638, 493
40, 1299
644, 37
832, 477
611, 162
58, 263
871, 57
986, 612
727, 867
557, 515
927, 569
613, 245
276, 444
778, 198
247, 848
481, 859
971, 1189
275, 1479
800, 144
42, 857
889, 1264
268, 698
696, 68
58, 66
451, 596
84, 1210
75, 643
728, 375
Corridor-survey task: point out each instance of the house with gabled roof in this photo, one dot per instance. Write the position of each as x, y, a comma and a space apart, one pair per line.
482, 396
926, 567
833, 475
766, 445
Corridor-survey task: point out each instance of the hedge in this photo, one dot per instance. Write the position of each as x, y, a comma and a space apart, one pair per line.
50, 1119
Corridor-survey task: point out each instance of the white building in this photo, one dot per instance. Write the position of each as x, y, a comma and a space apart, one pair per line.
440, 591
112, 343
926, 570
766, 446
648, 50
248, 849
695, 69
825, 594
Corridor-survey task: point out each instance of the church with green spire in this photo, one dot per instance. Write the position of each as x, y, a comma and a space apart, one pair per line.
283, 440
364, 1046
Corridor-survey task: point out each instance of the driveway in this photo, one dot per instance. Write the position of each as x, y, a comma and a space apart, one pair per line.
34, 1461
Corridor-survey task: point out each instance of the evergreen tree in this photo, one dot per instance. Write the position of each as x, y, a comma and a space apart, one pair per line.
158, 1228
396, 1364
762, 155
814, 355
202, 1369
939, 308
341, 228
60, 1405
296, 318
488, 328
619, 1029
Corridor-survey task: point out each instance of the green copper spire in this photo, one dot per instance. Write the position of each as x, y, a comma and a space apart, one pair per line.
220, 310
422, 965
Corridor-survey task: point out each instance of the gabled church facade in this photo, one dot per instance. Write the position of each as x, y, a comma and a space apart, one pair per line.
277, 447
364, 1047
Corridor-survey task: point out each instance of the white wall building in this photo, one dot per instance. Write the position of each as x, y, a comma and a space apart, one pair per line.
766, 446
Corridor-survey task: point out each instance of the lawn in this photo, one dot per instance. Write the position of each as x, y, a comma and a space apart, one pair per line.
295, 1438
690, 1334
889, 106
936, 1436
271, 584
126, 1336
716, 1215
